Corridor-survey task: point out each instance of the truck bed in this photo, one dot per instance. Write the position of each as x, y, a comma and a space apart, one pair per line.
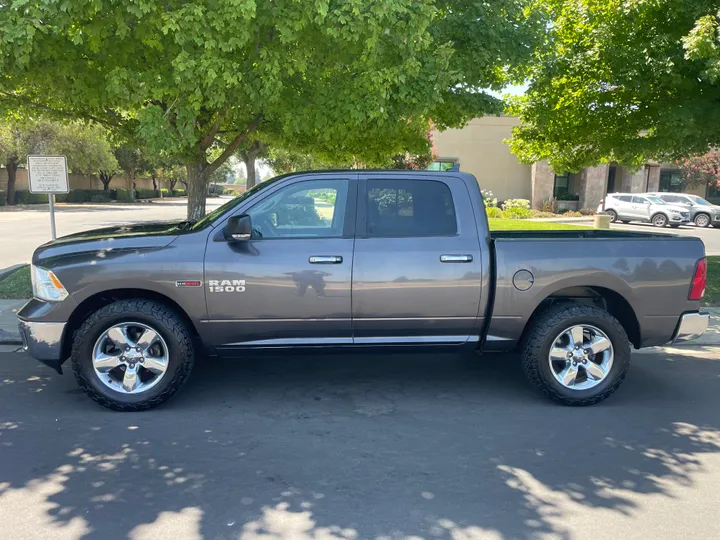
590, 233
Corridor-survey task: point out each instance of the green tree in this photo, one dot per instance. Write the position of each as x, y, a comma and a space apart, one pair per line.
619, 80
201, 78
88, 151
131, 162
20, 138
225, 174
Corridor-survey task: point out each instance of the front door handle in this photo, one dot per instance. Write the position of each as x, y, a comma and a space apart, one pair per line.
456, 258
326, 259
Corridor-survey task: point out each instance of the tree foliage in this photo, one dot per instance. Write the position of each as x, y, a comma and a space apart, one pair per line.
87, 149
703, 170
621, 80
18, 138
201, 78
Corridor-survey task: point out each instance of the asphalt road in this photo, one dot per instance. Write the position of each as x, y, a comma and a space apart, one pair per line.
709, 236
24, 229
356, 447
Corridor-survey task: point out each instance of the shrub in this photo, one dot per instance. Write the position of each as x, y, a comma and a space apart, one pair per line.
572, 213
587, 211
3, 199
84, 195
178, 193
517, 213
25, 197
516, 203
488, 197
538, 214
122, 195
147, 194
550, 205
493, 212
100, 197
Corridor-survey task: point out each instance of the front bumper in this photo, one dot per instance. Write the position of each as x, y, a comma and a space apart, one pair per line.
691, 326
43, 341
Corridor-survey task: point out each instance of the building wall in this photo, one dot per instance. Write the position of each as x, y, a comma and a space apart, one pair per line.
480, 150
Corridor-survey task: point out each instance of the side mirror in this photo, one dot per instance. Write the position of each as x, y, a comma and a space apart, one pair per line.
238, 228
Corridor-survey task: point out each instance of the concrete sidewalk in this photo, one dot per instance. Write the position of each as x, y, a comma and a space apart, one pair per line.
9, 334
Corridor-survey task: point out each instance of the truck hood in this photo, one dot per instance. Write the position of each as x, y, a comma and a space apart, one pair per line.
117, 239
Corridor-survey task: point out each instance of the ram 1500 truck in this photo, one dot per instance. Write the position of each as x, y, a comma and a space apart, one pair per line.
349, 259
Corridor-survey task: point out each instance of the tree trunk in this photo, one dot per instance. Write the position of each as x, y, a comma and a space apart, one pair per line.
196, 185
154, 179
172, 184
12, 167
131, 184
106, 178
249, 159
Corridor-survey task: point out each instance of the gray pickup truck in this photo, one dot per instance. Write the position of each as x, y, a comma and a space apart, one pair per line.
350, 259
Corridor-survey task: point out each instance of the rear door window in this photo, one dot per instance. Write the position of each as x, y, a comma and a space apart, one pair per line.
409, 208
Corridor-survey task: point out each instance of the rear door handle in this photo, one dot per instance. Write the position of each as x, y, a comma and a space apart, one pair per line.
456, 258
326, 259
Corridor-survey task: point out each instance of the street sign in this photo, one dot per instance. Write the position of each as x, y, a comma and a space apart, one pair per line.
48, 174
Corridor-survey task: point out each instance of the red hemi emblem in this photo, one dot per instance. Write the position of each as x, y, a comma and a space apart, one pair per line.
188, 283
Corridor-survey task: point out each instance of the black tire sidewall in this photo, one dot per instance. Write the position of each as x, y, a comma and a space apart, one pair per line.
621, 359
83, 352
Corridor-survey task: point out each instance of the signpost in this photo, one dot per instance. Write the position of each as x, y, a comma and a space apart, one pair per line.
48, 174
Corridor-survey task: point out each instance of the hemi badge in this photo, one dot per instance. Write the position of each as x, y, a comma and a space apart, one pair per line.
188, 283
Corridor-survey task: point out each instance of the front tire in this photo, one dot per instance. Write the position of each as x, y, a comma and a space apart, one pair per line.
659, 220
702, 220
132, 355
556, 360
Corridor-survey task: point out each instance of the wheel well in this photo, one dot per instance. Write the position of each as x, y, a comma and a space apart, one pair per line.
607, 299
96, 301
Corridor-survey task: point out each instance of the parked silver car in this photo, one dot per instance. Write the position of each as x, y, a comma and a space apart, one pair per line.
627, 207
703, 213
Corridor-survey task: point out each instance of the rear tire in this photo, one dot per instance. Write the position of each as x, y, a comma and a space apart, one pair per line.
659, 220
613, 215
173, 360
546, 332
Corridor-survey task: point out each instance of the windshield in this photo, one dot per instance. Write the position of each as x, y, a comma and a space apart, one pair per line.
232, 203
655, 200
699, 200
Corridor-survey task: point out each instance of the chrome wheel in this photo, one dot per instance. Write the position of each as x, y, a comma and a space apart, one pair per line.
659, 220
702, 220
613, 215
130, 357
581, 357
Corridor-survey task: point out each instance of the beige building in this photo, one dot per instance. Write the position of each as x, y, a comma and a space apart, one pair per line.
478, 148
78, 181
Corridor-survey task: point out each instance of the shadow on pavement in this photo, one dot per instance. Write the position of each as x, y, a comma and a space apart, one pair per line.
332, 447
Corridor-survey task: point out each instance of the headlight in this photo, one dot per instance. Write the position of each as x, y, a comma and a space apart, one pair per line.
46, 286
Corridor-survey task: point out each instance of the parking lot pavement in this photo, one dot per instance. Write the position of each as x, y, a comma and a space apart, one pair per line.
24, 229
330, 447
710, 236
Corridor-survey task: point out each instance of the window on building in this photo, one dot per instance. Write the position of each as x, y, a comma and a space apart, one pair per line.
671, 181
409, 208
562, 184
442, 165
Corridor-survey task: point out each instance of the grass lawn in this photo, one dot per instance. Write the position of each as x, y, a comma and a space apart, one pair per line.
499, 224
17, 285
712, 291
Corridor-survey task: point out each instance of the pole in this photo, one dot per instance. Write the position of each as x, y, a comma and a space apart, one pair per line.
51, 200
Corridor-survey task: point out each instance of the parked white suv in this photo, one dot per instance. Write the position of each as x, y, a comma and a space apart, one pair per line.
627, 207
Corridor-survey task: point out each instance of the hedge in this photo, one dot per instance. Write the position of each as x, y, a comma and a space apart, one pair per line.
91, 195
